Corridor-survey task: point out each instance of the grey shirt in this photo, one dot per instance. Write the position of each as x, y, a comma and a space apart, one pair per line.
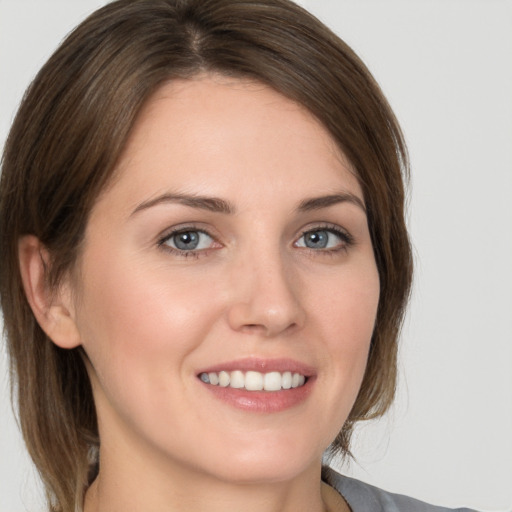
363, 497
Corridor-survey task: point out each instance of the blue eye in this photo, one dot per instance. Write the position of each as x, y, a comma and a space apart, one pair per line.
323, 239
190, 240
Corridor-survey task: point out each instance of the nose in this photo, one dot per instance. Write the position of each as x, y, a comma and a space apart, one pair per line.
265, 297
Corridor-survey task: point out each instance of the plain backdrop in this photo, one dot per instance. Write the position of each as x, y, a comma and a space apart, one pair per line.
446, 67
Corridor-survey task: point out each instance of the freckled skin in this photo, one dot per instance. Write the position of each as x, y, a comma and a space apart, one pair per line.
150, 317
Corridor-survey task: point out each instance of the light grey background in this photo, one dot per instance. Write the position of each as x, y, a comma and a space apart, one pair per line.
446, 67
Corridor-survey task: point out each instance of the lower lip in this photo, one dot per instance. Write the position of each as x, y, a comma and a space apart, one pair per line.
262, 401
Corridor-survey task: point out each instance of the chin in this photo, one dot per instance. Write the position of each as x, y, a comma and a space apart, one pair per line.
265, 462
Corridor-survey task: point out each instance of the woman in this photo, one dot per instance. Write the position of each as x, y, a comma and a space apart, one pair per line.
204, 260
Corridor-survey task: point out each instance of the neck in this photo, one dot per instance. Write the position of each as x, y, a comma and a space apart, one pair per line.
143, 490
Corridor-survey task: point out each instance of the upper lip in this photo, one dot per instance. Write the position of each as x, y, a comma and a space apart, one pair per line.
262, 365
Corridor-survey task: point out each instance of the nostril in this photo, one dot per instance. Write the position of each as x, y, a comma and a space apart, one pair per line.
253, 328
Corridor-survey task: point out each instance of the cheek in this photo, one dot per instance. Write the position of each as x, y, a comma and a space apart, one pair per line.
346, 319
349, 308
138, 322
139, 325
128, 299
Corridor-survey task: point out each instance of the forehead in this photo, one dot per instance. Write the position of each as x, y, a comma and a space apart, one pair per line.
219, 135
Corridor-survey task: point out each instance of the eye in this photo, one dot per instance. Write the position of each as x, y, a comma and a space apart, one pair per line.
189, 240
324, 239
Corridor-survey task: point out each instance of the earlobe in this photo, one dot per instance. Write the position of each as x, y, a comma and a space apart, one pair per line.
53, 309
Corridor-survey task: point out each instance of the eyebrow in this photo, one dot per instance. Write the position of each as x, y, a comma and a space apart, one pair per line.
217, 205
212, 204
317, 203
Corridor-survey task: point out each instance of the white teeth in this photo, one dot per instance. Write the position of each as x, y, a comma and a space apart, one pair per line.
224, 379
272, 381
254, 381
236, 379
286, 381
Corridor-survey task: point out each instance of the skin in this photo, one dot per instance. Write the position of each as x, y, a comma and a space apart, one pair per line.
150, 318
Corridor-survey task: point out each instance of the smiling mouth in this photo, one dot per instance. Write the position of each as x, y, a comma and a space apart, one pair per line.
254, 381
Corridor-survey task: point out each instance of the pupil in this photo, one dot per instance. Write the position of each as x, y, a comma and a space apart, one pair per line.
187, 241
317, 239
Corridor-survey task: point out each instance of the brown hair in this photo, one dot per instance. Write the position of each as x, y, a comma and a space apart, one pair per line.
66, 139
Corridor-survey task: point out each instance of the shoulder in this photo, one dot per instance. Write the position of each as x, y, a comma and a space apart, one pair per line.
363, 497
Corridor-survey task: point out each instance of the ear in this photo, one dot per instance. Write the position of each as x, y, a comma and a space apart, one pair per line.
53, 309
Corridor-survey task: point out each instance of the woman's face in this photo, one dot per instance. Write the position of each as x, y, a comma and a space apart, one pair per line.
234, 244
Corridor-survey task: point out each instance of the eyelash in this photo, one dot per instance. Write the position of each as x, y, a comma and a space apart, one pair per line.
177, 252
346, 238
